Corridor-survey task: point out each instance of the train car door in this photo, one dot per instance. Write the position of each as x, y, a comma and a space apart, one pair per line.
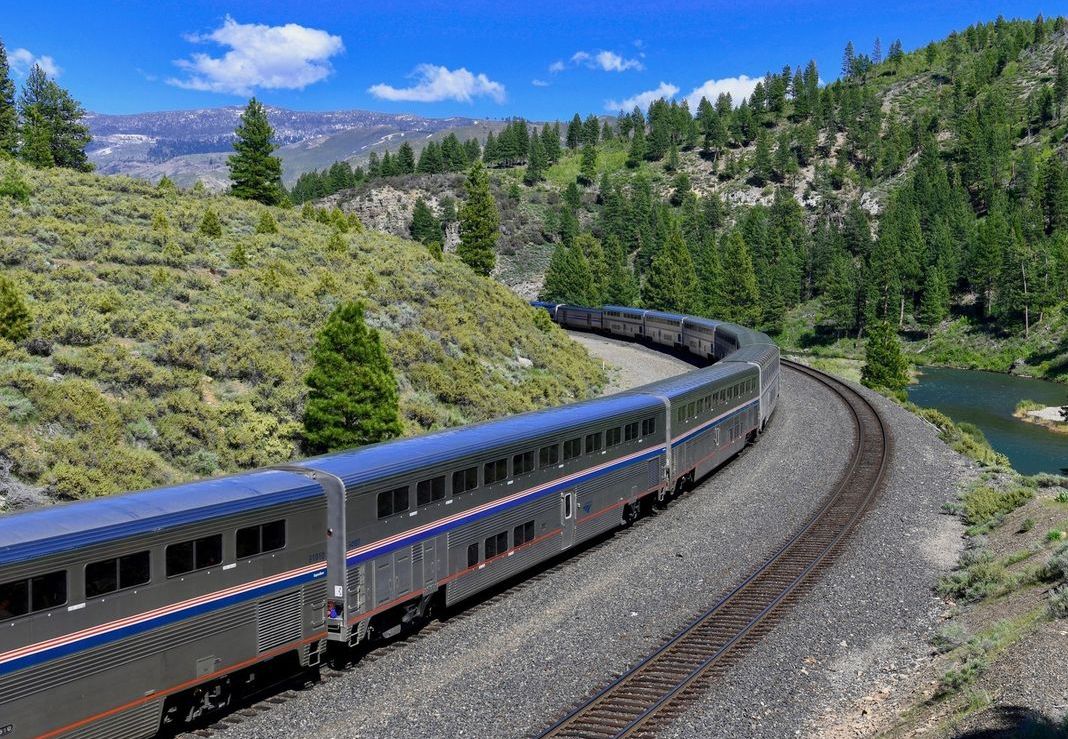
568, 501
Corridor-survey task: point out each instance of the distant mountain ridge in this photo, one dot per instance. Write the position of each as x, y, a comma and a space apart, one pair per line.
187, 145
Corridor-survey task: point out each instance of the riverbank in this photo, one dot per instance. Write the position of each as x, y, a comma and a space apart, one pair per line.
1049, 417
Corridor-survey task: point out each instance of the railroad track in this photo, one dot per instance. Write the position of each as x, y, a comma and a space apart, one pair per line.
657, 689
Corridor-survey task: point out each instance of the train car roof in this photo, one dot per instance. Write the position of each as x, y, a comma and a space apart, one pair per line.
366, 464
662, 314
673, 387
53, 529
637, 312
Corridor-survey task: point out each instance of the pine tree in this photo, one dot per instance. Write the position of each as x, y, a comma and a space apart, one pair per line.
568, 279
762, 164
574, 133
14, 313
637, 148
239, 256
710, 278
934, 304
424, 228
254, 173
352, 398
537, 161
741, 297
405, 159
479, 224
595, 257
621, 286
588, 170
13, 186
51, 121
885, 365
267, 224
550, 142
671, 284
210, 225
9, 116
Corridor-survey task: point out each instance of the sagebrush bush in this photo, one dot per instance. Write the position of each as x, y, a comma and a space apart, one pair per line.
150, 364
983, 504
1058, 602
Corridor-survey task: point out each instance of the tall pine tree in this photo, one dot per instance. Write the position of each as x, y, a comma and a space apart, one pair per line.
671, 284
352, 393
741, 298
51, 120
255, 174
9, 116
885, 365
479, 223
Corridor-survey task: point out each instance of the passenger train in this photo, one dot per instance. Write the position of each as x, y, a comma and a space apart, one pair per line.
124, 615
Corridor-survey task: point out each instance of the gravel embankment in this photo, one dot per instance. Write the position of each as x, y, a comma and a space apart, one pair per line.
517, 662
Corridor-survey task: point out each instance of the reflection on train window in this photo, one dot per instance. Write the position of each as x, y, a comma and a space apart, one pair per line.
117, 573
522, 463
572, 448
268, 537
428, 491
691, 410
548, 455
522, 534
613, 437
392, 501
464, 480
197, 554
472, 554
648, 426
496, 544
631, 431
33, 594
593, 442
495, 471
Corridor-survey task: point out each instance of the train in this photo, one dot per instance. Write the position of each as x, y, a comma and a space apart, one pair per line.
143, 612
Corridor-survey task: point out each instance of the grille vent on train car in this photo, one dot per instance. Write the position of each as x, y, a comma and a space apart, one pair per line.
355, 585
278, 621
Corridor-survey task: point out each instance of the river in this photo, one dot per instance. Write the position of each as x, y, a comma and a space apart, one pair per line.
988, 399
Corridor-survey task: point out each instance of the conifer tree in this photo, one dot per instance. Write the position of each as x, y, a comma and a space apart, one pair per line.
885, 365
621, 286
550, 142
637, 147
574, 133
424, 228
595, 257
352, 393
479, 223
537, 161
671, 284
710, 278
13, 186
405, 159
568, 279
588, 169
51, 121
9, 116
239, 256
210, 225
762, 164
934, 304
14, 313
741, 297
255, 174
267, 224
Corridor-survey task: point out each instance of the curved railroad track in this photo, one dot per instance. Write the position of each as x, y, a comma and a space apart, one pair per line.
655, 690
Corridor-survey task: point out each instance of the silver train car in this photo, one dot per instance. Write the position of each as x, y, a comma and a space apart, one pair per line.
125, 615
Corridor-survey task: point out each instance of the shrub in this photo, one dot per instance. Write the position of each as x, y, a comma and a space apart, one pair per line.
210, 225
1058, 602
14, 313
949, 637
1057, 566
267, 224
13, 186
975, 582
1026, 525
983, 505
954, 680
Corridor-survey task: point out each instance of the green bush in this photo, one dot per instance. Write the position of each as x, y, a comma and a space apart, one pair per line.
13, 186
1058, 602
983, 504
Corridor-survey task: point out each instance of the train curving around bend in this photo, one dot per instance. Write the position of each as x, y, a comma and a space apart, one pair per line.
126, 615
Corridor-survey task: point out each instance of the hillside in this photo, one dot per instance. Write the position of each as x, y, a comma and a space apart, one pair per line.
191, 145
927, 187
153, 358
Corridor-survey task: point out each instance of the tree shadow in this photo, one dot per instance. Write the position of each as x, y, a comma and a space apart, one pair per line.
1018, 722
819, 336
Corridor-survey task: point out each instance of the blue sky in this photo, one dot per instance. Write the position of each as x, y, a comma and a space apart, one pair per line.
543, 59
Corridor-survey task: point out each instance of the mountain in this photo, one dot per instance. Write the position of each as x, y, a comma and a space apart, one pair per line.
187, 145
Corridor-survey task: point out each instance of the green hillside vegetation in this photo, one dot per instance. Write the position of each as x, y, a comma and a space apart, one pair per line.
927, 188
157, 352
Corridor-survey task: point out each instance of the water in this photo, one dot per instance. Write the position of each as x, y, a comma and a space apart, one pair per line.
988, 399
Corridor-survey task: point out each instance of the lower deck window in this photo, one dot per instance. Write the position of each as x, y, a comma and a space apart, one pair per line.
472, 554
523, 533
496, 544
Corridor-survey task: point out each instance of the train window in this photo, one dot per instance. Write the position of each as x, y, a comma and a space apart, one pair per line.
14, 599
45, 591
392, 501
548, 456
593, 442
523, 533
197, 554
680, 414
268, 537
464, 480
496, 544
613, 437
495, 471
428, 491
691, 410
472, 554
117, 573
648, 426
572, 448
630, 431
522, 463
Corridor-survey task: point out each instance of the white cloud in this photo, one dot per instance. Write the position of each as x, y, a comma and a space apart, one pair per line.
606, 61
288, 57
22, 61
434, 83
643, 99
739, 87
539, 83
557, 66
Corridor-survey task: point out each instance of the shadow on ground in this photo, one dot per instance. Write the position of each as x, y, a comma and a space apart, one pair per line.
1017, 722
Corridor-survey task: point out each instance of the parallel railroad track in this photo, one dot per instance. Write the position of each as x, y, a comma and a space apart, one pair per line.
657, 689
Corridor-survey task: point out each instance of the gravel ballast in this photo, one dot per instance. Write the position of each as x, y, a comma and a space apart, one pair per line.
516, 662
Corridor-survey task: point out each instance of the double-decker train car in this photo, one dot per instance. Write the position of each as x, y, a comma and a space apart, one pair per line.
125, 614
